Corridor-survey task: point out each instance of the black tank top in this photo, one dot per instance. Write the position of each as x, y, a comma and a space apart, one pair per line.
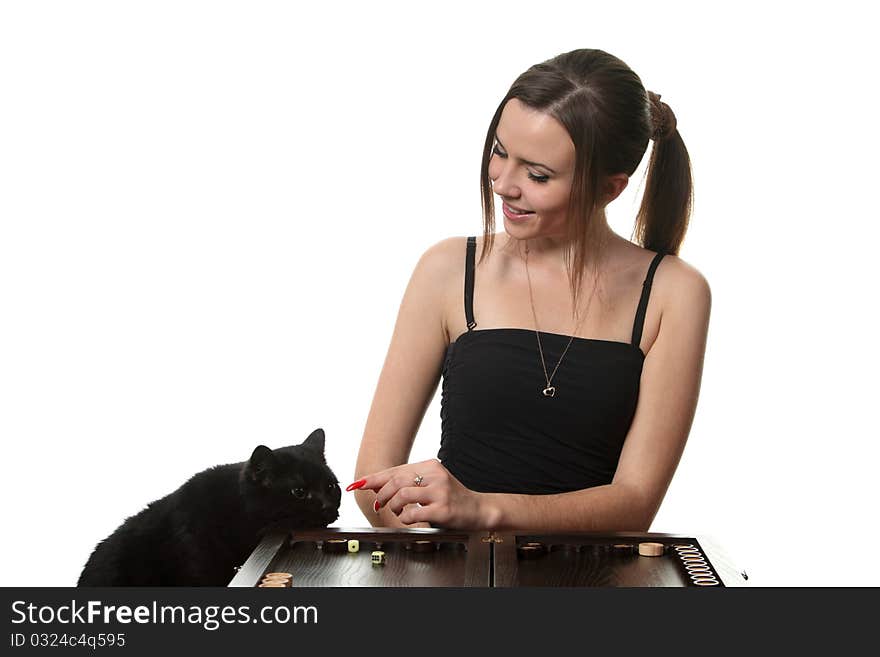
501, 434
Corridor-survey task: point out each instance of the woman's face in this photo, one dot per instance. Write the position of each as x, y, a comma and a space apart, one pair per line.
531, 168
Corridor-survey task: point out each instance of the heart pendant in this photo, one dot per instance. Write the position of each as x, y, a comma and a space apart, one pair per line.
549, 391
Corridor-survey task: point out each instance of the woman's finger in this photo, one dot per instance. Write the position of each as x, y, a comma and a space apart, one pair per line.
415, 515
399, 480
377, 480
373, 481
407, 495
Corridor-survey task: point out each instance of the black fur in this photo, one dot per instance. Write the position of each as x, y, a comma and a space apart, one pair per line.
198, 534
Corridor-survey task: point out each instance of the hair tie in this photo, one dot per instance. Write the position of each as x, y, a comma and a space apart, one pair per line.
663, 119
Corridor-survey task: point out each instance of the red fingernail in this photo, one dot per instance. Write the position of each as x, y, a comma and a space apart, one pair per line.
376, 506
356, 485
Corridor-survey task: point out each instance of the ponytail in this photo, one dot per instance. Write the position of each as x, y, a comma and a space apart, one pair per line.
662, 219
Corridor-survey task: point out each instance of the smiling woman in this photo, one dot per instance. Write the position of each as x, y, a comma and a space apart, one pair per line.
581, 425
546, 199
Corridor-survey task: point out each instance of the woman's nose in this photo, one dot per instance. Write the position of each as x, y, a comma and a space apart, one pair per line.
503, 186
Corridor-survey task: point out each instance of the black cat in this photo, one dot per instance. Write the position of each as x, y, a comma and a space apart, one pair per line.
198, 534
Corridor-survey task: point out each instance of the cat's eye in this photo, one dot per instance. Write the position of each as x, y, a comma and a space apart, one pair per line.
331, 486
299, 493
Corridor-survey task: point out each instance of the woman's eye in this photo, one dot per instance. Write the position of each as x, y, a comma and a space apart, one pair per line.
299, 493
539, 179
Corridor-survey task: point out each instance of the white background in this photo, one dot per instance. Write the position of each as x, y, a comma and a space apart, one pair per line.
210, 212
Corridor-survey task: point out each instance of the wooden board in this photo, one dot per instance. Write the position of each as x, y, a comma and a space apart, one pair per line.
480, 559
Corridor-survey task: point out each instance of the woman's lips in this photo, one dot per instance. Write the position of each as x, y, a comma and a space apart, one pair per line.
515, 209
510, 213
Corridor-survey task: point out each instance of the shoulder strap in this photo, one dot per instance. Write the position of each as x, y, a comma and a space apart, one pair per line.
469, 282
643, 302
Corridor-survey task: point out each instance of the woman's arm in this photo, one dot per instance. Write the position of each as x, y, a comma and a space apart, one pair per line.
410, 375
669, 389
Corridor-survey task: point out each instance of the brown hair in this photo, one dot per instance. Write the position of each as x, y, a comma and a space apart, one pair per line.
610, 117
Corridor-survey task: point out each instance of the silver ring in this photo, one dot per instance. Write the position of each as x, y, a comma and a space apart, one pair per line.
418, 480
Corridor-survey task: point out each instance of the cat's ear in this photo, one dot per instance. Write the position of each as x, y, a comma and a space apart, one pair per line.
316, 441
259, 467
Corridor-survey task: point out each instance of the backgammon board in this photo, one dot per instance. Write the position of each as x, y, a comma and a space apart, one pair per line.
339, 557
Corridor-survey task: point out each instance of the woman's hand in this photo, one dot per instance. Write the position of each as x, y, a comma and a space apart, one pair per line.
426, 492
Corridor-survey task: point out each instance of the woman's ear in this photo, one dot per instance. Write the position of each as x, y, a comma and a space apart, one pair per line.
613, 187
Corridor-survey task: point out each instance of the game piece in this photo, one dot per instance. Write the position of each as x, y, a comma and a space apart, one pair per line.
623, 548
423, 546
335, 545
273, 584
698, 570
530, 550
278, 576
278, 579
377, 558
650, 549
705, 581
354, 546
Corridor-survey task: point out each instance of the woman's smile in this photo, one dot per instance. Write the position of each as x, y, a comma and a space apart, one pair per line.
515, 215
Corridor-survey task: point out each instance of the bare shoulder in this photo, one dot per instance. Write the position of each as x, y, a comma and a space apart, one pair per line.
685, 303
444, 256
439, 264
439, 273
681, 282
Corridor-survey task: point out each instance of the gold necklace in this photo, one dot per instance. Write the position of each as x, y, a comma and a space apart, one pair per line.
550, 391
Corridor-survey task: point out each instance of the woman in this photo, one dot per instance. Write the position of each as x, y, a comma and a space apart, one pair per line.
569, 407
